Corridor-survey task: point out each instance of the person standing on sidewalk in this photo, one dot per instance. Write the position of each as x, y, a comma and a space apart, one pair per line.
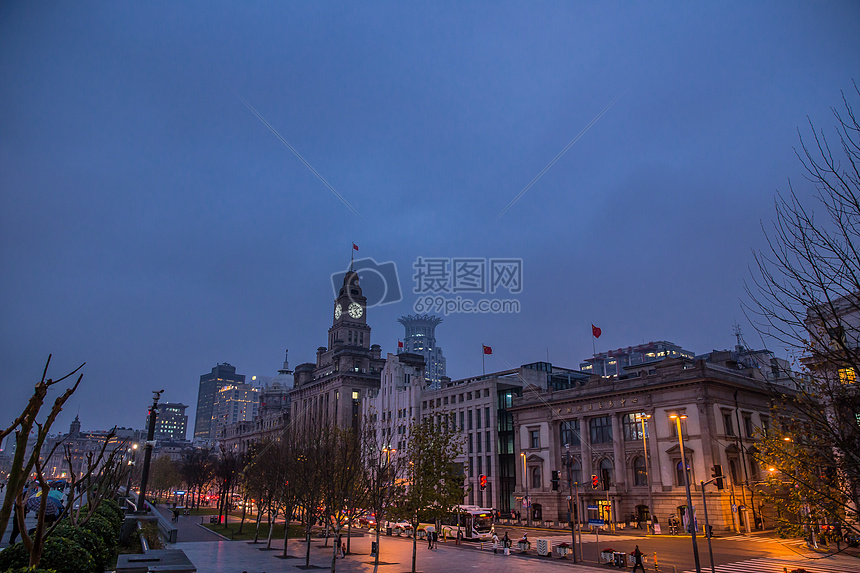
637, 560
495, 543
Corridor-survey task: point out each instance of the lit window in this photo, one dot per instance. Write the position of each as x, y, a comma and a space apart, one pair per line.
847, 375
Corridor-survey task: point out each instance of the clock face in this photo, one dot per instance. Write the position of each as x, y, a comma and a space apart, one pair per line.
355, 310
337, 311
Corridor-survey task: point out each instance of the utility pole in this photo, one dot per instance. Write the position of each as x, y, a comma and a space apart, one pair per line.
568, 461
147, 458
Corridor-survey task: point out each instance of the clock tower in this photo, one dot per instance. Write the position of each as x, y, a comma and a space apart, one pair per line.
330, 391
349, 324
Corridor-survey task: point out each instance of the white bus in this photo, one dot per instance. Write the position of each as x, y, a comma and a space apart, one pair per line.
473, 522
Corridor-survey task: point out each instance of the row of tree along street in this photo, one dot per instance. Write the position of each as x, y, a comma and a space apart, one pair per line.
328, 477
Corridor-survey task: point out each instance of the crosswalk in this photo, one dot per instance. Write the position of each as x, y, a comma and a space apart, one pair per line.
754, 539
842, 564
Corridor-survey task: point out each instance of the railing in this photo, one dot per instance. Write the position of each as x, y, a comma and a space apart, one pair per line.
168, 531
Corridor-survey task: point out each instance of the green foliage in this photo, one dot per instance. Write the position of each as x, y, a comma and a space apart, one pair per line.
91, 542
432, 481
66, 556
28, 570
61, 555
113, 506
111, 516
103, 529
14, 556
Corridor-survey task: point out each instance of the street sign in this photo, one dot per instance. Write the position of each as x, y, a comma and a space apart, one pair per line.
594, 507
595, 522
734, 508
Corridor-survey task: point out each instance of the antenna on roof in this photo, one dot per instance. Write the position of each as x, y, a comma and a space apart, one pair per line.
736, 330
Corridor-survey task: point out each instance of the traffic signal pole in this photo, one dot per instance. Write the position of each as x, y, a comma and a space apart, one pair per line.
707, 525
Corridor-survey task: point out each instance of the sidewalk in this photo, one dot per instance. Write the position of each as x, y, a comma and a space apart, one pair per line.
29, 520
396, 556
189, 527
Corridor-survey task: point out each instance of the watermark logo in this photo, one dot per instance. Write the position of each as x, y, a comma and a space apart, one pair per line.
379, 281
436, 277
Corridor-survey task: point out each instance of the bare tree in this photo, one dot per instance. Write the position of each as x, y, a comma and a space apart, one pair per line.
431, 481
23, 427
806, 295
197, 469
380, 469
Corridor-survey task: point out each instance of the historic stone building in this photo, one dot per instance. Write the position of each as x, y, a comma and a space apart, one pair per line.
478, 408
392, 407
600, 423
330, 391
273, 415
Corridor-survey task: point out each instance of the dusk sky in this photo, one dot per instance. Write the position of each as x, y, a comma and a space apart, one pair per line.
152, 225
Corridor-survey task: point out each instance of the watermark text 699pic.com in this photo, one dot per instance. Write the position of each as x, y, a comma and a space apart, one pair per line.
437, 279
444, 285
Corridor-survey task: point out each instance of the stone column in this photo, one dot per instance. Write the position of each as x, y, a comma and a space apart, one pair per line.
585, 450
618, 450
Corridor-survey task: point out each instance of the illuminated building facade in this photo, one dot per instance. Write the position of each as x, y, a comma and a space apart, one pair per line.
613, 362
210, 384
420, 338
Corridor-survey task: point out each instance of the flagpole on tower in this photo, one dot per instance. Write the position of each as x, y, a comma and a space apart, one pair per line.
483, 359
352, 256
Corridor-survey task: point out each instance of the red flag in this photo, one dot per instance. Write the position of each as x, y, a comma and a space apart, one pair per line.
595, 332
399, 344
354, 246
487, 349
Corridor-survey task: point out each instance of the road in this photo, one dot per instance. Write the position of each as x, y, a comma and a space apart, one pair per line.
674, 553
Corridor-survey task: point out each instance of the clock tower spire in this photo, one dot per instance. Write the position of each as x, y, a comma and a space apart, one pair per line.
349, 323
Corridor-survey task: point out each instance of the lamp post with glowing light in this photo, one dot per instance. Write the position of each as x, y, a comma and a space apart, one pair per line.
642, 417
678, 417
131, 463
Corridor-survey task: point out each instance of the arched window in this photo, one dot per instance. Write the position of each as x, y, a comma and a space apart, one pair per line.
536, 477
640, 476
606, 473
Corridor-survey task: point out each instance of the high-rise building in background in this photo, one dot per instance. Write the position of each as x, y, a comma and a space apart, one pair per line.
171, 424
234, 403
420, 338
273, 413
221, 375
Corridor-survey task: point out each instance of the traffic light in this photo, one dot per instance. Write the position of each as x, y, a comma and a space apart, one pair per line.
717, 474
482, 482
555, 480
595, 483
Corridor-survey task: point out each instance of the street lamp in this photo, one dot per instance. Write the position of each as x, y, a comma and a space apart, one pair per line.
573, 506
526, 485
642, 417
131, 463
678, 417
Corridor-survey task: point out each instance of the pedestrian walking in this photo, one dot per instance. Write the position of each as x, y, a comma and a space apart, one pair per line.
343, 550
637, 559
495, 543
506, 541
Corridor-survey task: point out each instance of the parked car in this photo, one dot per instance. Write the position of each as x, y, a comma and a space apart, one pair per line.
368, 520
398, 527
